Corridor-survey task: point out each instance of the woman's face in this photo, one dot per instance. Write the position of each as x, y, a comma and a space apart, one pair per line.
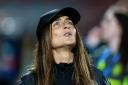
63, 32
110, 27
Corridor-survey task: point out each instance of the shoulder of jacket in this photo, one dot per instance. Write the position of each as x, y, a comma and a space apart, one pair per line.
100, 78
28, 78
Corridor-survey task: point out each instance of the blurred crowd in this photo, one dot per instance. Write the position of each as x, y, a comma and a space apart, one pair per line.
106, 43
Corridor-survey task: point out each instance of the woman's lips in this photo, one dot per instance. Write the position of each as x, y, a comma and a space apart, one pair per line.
67, 34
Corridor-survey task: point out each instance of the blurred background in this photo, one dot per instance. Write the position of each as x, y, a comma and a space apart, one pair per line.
18, 21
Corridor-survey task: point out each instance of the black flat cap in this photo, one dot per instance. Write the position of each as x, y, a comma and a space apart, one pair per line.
46, 18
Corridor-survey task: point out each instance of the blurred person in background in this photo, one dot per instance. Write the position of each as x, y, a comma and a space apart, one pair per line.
92, 40
60, 55
92, 43
113, 60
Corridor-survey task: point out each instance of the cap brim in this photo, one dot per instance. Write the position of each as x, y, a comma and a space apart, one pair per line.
70, 12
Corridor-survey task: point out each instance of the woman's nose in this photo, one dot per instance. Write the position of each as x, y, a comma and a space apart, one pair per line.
66, 26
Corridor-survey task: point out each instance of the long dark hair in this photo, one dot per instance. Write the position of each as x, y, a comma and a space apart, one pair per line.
44, 62
123, 48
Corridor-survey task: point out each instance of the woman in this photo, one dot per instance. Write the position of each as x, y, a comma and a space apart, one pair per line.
114, 32
61, 58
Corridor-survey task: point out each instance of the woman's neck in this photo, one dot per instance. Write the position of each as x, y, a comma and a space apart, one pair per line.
63, 55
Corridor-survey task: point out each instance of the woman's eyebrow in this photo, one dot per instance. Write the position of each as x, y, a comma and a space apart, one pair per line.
67, 18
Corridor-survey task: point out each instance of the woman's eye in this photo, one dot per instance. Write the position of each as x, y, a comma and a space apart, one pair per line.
70, 22
56, 23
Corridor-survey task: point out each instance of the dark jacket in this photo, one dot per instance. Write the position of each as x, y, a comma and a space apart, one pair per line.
63, 74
